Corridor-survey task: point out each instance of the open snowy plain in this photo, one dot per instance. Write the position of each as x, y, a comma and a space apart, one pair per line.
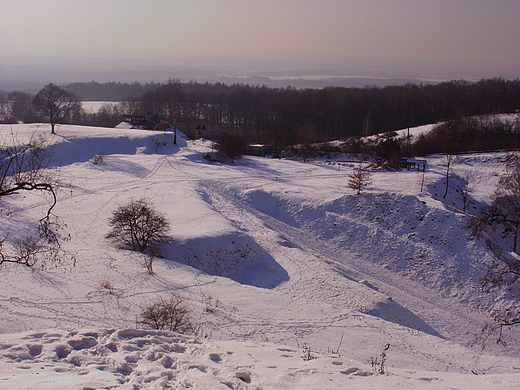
293, 281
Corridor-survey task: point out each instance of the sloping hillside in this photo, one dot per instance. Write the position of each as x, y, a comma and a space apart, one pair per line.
278, 260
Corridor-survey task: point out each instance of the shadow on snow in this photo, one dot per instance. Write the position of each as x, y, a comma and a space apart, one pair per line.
233, 255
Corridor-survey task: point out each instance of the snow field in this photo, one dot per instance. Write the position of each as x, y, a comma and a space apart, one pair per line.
270, 255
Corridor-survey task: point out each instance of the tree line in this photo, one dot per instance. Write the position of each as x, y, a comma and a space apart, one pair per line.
470, 134
109, 91
283, 116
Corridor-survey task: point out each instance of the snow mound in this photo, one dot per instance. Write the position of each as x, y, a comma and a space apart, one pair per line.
233, 255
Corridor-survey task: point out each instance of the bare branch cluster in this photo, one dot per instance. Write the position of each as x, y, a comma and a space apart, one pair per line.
41, 248
23, 162
504, 211
506, 272
494, 331
22, 169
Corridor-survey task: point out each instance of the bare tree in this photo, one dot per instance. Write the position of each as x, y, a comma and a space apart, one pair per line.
168, 314
466, 187
152, 102
449, 160
360, 178
174, 104
6, 112
504, 211
138, 225
129, 106
56, 104
168, 101
22, 168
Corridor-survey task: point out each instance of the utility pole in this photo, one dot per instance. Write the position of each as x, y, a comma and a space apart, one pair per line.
367, 124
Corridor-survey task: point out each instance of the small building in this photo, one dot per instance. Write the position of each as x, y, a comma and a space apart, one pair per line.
413, 164
134, 120
259, 150
152, 122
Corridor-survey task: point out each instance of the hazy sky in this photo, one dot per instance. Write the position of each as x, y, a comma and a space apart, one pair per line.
478, 34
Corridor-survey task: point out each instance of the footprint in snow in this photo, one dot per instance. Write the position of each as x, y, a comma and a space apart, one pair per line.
217, 358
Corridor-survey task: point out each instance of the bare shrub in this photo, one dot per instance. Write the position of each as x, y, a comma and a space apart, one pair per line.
167, 314
307, 152
159, 143
307, 353
138, 225
97, 159
210, 304
378, 363
107, 285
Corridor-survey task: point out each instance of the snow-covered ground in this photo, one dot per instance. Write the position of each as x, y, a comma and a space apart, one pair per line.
294, 281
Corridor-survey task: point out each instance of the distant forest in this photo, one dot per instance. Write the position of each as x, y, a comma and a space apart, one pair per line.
110, 91
286, 116
319, 114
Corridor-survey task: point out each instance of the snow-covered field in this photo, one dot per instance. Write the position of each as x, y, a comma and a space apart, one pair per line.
95, 106
294, 281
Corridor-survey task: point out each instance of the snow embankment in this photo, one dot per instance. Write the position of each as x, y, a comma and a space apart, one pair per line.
399, 233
